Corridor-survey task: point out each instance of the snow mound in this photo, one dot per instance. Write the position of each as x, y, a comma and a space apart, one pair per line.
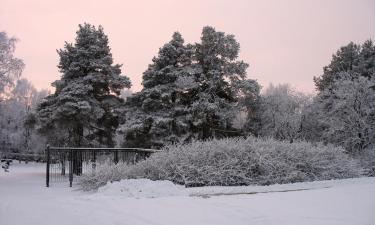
142, 188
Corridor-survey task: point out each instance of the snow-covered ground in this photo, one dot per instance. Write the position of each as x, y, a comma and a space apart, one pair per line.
25, 201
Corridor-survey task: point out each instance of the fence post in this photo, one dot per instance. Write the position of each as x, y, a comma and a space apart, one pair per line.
47, 165
71, 167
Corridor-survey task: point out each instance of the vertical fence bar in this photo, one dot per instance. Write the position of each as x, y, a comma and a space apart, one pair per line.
115, 158
93, 160
63, 163
47, 165
71, 167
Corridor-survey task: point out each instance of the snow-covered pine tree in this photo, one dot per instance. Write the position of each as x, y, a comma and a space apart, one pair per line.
358, 60
82, 111
221, 79
158, 114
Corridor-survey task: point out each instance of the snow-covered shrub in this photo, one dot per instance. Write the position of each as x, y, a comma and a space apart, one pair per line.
247, 161
367, 160
236, 161
102, 175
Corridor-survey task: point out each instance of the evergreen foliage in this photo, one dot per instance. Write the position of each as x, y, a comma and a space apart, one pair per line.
159, 113
82, 111
190, 92
222, 80
358, 60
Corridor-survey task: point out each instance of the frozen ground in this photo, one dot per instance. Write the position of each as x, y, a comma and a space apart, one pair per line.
25, 201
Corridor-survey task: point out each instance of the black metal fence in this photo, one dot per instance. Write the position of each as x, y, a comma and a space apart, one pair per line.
64, 164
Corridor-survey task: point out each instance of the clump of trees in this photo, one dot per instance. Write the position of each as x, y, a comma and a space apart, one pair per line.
342, 112
190, 92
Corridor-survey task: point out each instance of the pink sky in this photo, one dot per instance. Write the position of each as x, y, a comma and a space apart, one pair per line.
283, 41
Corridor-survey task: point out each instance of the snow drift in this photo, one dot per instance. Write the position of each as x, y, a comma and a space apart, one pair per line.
142, 188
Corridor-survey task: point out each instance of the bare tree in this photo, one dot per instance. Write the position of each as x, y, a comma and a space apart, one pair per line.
281, 112
10, 66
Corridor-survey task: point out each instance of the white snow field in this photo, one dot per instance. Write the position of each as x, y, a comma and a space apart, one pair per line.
24, 200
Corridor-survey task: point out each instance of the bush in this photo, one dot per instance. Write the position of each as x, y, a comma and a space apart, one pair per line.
367, 160
102, 175
238, 161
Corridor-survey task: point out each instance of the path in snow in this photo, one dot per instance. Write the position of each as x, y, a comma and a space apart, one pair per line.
25, 201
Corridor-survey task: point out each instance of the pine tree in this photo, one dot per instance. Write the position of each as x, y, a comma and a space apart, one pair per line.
356, 59
221, 79
366, 64
158, 114
82, 111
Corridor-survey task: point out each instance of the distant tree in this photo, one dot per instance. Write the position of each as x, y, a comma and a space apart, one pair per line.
359, 60
16, 133
10, 71
24, 93
82, 111
249, 106
281, 112
10, 66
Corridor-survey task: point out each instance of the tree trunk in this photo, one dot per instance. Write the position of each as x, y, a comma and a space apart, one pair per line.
77, 156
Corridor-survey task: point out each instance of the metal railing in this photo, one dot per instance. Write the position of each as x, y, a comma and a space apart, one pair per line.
63, 164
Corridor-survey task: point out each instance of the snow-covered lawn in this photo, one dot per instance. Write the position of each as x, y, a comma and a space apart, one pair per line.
24, 200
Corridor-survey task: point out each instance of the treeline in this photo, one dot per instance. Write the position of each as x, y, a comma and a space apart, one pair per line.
201, 91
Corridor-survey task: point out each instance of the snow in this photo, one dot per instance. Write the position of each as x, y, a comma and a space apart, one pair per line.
24, 200
142, 188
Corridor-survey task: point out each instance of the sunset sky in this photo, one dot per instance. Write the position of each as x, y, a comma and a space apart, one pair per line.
283, 41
